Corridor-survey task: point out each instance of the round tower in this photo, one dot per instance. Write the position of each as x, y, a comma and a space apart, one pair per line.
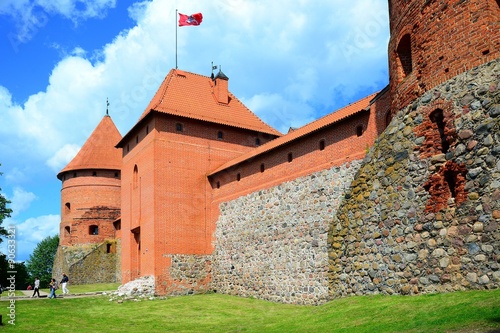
433, 41
90, 195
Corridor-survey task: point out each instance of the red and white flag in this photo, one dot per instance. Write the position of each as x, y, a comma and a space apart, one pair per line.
194, 19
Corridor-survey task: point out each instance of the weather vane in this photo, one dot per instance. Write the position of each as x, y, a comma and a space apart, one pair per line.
107, 105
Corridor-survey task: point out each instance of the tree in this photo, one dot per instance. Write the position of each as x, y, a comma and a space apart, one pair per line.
4, 213
42, 259
22, 276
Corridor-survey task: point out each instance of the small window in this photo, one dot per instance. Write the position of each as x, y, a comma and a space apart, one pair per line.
94, 173
179, 127
262, 167
135, 178
93, 230
290, 157
116, 174
117, 225
322, 145
359, 130
68, 207
67, 231
404, 56
238, 177
218, 184
388, 119
257, 141
220, 135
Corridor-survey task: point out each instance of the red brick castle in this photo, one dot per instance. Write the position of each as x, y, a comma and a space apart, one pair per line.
380, 196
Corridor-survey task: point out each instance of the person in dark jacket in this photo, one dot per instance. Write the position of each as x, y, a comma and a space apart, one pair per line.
64, 284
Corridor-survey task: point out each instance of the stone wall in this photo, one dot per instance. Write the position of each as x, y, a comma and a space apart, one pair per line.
187, 274
423, 213
272, 244
89, 263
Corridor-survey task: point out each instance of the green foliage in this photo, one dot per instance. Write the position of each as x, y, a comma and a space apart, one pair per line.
473, 311
4, 213
41, 260
22, 276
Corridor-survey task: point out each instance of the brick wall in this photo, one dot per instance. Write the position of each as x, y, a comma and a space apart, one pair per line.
166, 193
89, 198
342, 143
445, 39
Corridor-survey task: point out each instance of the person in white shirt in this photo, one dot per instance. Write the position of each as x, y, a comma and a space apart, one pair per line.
36, 288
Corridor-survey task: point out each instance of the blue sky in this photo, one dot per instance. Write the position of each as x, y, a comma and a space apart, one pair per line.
289, 61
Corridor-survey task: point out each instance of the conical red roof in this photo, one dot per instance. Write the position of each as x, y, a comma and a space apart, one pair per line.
99, 150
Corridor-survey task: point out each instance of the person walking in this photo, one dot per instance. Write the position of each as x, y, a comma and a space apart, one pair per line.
36, 288
53, 288
64, 283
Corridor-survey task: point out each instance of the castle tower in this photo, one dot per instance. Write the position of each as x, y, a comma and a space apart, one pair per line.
90, 195
433, 41
192, 125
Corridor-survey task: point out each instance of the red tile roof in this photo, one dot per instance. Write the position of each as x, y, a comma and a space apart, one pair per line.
99, 151
190, 95
295, 134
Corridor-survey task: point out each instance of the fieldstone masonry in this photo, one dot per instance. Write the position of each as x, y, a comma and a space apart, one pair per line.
421, 214
419, 219
188, 274
89, 263
272, 244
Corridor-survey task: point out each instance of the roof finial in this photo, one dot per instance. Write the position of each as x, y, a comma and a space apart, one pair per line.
213, 67
107, 105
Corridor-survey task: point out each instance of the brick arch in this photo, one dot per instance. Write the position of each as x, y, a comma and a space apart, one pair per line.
438, 137
400, 45
448, 181
404, 56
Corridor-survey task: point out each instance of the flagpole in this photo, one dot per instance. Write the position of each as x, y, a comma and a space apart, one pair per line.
175, 21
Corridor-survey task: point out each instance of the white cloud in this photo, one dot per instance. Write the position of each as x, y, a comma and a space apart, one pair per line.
31, 232
63, 156
283, 114
21, 200
32, 15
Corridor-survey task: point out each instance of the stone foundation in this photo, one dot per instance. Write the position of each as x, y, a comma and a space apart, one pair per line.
272, 244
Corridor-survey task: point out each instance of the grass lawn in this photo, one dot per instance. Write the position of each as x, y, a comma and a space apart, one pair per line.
472, 311
85, 288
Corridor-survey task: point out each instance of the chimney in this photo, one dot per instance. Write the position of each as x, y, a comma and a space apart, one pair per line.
220, 88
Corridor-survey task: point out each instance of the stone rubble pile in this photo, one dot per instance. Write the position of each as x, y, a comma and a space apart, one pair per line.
141, 288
